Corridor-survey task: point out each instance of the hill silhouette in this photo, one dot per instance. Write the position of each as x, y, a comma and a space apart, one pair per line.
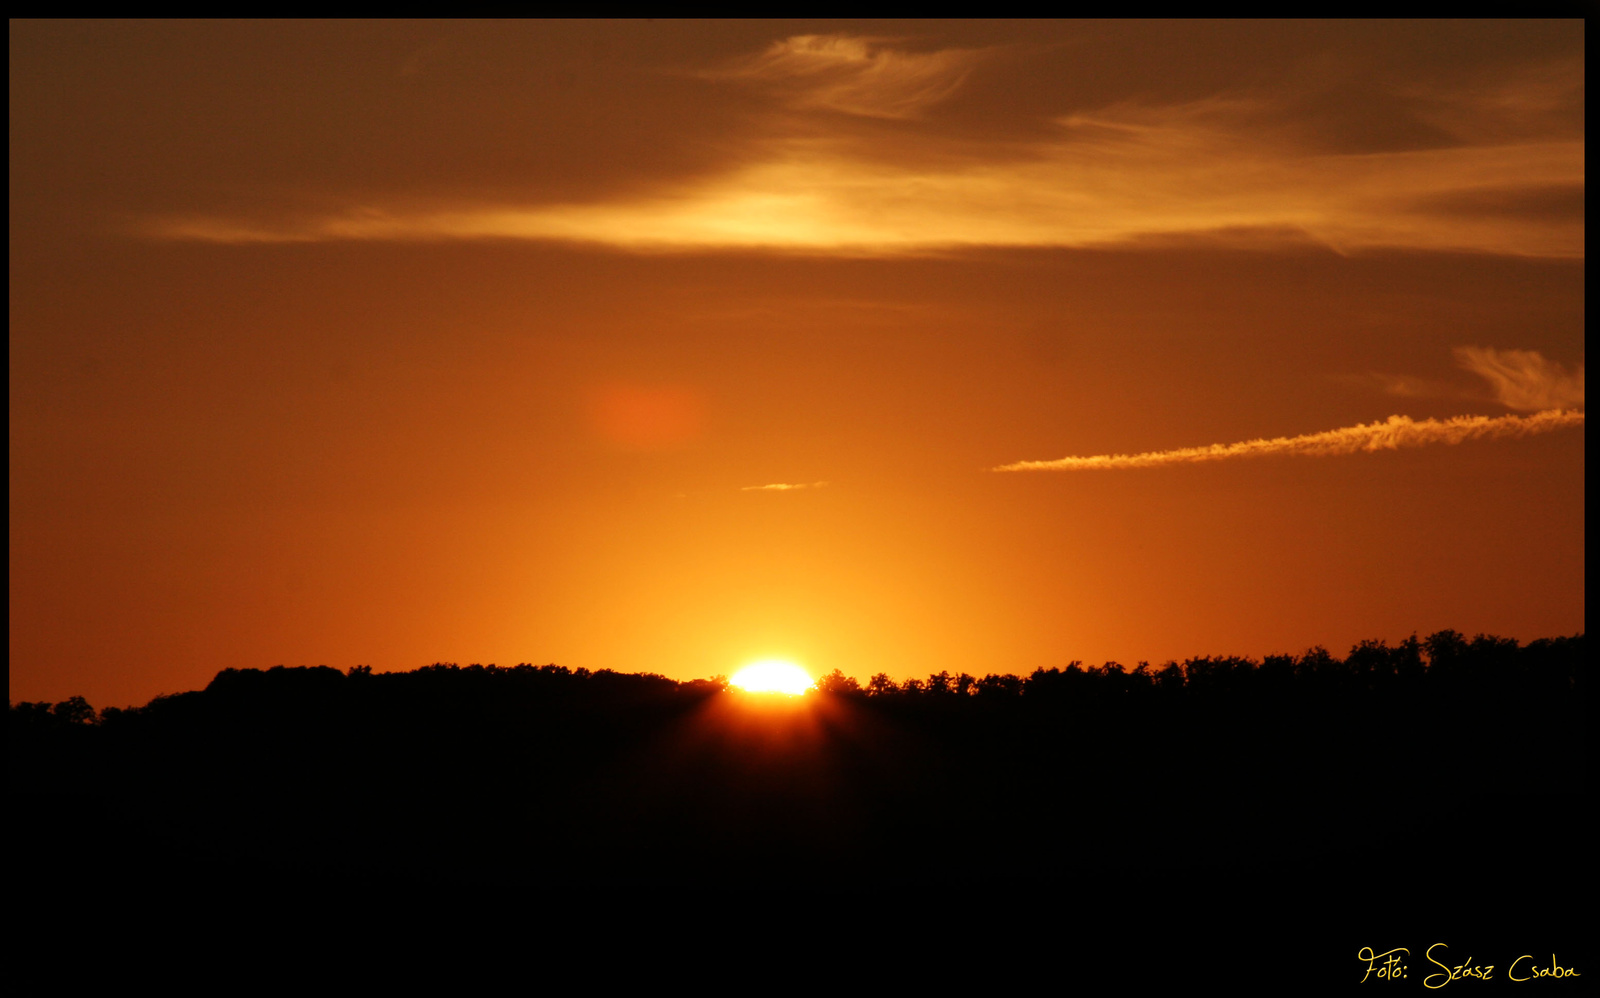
1262, 819
545, 775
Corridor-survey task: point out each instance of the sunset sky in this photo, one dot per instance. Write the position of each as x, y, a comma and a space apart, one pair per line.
672, 346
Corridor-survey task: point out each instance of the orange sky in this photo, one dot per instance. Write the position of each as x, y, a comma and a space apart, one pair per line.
397, 343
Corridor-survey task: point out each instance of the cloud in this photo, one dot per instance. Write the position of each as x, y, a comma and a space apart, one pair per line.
782, 487
1110, 188
1402, 385
859, 76
1523, 379
1529, 100
1391, 434
811, 198
1230, 167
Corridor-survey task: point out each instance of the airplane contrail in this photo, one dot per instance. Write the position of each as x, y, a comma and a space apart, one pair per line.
1391, 434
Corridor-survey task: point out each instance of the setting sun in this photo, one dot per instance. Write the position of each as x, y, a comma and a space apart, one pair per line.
1166, 439
772, 676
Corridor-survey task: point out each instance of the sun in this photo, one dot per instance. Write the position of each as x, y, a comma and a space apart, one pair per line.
772, 676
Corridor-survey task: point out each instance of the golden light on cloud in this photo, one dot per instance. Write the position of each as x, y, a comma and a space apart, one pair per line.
1117, 187
1521, 379
1391, 434
1128, 172
783, 486
772, 676
854, 75
1524, 379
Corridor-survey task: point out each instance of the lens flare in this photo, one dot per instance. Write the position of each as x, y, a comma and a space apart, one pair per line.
773, 676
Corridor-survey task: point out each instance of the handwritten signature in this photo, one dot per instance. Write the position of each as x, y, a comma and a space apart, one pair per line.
1390, 966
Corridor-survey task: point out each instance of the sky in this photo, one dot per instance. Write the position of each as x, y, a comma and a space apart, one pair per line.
668, 346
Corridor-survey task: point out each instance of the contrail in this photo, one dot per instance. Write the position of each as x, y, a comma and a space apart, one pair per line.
1391, 434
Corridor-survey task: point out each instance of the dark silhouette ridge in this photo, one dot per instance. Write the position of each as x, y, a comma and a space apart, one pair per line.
1212, 777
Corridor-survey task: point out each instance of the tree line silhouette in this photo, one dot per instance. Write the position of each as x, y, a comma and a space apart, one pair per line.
1444, 662
549, 775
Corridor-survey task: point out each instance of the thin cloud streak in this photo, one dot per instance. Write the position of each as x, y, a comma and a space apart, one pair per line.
783, 487
1408, 386
1391, 434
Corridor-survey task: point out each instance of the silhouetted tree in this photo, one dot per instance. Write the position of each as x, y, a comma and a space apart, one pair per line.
1170, 678
74, 710
995, 686
838, 683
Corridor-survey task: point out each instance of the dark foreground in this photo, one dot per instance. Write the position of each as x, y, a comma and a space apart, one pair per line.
1276, 814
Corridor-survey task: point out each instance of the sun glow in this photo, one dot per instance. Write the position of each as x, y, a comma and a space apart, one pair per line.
772, 676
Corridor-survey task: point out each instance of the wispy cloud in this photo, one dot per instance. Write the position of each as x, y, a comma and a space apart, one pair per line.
808, 197
812, 196
1391, 434
855, 75
1524, 379
1403, 385
1226, 166
783, 487
1518, 379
